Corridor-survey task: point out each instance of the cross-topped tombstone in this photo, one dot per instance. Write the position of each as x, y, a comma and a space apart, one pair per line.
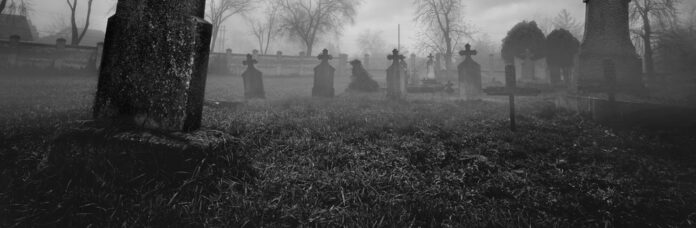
324, 76
396, 84
430, 67
253, 80
470, 74
511, 90
154, 65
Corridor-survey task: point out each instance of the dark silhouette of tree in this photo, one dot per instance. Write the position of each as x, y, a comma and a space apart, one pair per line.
646, 12
522, 37
221, 10
561, 48
307, 20
76, 34
444, 26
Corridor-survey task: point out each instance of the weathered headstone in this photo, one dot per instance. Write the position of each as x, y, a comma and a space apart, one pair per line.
511, 90
60, 43
414, 72
361, 80
396, 85
253, 80
154, 66
607, 36
430, 68
470, 74
324, 77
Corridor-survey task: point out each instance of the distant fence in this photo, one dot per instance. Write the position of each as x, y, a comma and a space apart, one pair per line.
28, 57
21, 57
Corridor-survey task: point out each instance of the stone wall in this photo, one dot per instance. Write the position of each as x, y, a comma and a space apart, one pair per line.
274, 65
17, 56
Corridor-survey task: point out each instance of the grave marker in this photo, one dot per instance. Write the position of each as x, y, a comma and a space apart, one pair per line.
511, 90
396, 85
324, 76
470, 74
253, 80
154, 65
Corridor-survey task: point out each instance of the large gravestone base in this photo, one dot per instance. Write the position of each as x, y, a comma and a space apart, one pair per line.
121, 153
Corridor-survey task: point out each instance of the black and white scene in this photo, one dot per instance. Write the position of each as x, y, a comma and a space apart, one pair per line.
348, 113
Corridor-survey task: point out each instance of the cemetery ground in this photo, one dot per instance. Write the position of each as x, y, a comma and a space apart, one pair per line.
356, 161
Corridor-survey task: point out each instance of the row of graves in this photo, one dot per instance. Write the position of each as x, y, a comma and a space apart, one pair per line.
150, 96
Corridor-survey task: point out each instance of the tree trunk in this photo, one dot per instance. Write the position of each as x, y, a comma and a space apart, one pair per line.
648, 58
213, 42
309, 49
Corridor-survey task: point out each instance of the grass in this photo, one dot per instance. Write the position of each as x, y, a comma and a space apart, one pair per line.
358, 161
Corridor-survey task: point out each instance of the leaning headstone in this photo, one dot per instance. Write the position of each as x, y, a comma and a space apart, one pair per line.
470, 74
154, 66
396, 85
148, 105
253, 80
361, 80
324, 76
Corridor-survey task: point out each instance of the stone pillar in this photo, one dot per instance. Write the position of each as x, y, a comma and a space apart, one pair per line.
324, 77
342, 65
154, 67
607, 37
60, 43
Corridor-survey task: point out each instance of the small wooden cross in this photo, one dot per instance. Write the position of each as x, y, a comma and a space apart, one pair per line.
395, 56
324, 56
250, 61
511, 90
468, 52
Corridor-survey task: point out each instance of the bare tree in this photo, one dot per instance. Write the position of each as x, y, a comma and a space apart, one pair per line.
646, 12
267, 29
444, 26
221, 10
76, 35
566, 21
307, 20
371, 42
19, 7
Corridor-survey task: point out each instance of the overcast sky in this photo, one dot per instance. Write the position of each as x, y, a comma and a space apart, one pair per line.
492, 17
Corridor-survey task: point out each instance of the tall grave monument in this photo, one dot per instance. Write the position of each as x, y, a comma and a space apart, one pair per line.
154, 66
396, 77
324, 76
607, 38
470, 74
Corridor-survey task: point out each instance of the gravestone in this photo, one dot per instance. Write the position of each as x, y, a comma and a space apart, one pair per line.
148, 104
324, 76
253, 80
361, 80
607, 36
511, 90
396, 85
154, 66
414, 72
430, 68
60, 43
470, 74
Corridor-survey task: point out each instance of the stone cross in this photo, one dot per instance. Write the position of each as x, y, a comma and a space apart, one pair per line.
162, 92
470, 74
396, 84
253, 80
324, 76
468, 52
511, 90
